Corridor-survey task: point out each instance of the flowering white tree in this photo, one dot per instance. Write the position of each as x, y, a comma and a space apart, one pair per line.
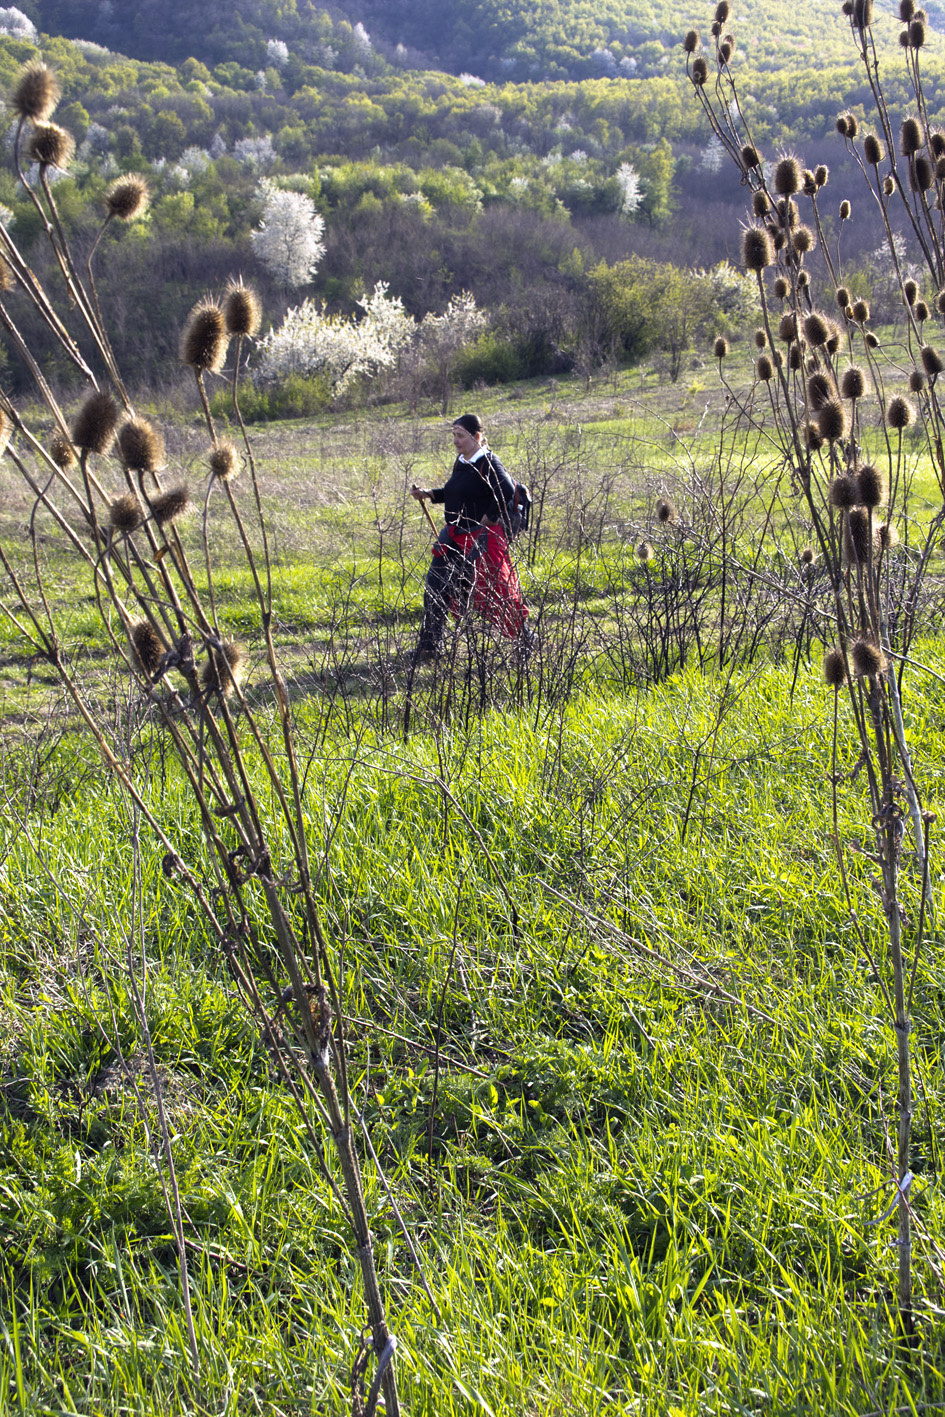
288, 239
442, 337
277, 52
339, 349
631, 189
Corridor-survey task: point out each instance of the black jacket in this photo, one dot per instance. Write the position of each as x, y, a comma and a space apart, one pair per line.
472, 493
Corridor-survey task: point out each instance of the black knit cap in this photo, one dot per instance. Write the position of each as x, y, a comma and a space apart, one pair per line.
470, 421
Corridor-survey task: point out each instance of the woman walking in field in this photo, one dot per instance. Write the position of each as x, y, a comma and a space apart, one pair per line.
471, 562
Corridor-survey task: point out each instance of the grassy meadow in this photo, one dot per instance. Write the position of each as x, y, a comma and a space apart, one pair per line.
621, 1056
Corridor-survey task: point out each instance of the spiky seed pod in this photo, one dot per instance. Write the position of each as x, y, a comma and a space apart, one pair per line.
940, 302
916, 381
940, 169
725, 51
787, 327
51, 146
899, 413
813, 437
35, 93
750, 157
906, 10
904, 39
871, 487
777, 358
872, 341
937, 143
224, 669
847, 8
7, 278
224, 462
802, 239
910, 290
807, 557
858, 536
853, 125
821, 174
96, 423
842, 492
148, 647
716, 28
665, 511
835, 668
910, 137
125, 514
722, 11
932, 361
700, 71
644, 552
141, 445
873, 150
803, 280
241, 310
862, 13
778, 239
889, 186
921, 175
795, 356
788, 176
127, 197
868, 659
764, 369
853, 383
821, 389
171, 505
920, 14
787, 211
757, 251
845, 210
810, 183
6, 431
843, 125
886, 537
816, 329
922, 311
843, 297
760, 205
917, 34
62, 452
833, 343
761, 339
691, 42
832, 421
782, 288
861, 311
204, 340
720, 348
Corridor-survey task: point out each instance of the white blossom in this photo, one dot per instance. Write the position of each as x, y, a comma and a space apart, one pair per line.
362, 40
277, 52
260, 80
713, 155
217, 146
631, 189
338, 349
195, 160
470, 81
255, 152
288, 239
15, 24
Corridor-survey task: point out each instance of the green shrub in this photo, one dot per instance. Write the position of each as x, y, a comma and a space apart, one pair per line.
296, 396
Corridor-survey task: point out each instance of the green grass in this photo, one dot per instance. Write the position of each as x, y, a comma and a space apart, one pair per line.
641, 1200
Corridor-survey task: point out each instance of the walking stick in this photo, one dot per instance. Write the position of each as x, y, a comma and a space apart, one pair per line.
426, 513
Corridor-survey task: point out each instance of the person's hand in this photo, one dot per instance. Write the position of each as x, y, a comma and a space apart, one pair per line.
418, 492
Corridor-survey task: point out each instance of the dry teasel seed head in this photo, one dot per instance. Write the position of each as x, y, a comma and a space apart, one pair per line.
832, 421
868, 658
872, 341
847, 8
803, 280
916, 381
887, 537
691, 41
843, 125
700, 71
843, 297
726, 50
757, 251
841, 493
910, 290
764, 369
932, 361
795, 356
148, 647
224, 669
36, 92
861, 311
906, 10
940, 169
917, 34
817, 329
922, 311
940, 302
873, 150
722, 11
910, 137
720, 348
871, 487
204, 340
807, 556
761, 339
127, 197
786, 208
921, 175
96, 423
787, 327
835, 668
899, 413
141, 445
862, 13
937, 142
750, 157
802, 239
62, 452
810, 183
833, 342
904, 39
51, 146
788, 176
858, 536
760, 205
241, 310
889, 186
125, 514
821, 389
224, 462
7, 278
782, 288
644, 552
665, 511
170, 505
853, 383
845, 210
813, 437
821, 174
778, 238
